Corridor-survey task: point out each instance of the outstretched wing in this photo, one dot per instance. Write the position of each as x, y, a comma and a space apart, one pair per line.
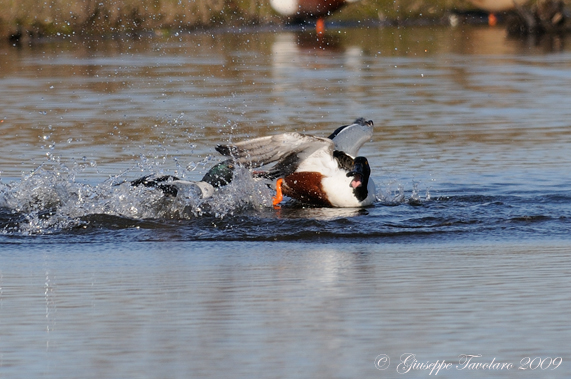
286, 149
350, 138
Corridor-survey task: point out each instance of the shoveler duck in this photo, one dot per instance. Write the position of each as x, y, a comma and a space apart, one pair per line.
307, 9
301, 10
496, 5
313, 170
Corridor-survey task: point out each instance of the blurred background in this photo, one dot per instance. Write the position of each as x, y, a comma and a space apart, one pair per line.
21, 20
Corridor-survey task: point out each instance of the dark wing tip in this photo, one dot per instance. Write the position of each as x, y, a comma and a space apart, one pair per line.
152, 181
141, 181
363, 122
160, 183
226, 150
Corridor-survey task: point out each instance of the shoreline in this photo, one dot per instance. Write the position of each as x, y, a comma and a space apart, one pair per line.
237, 29
18, 41
29, 22
25, 22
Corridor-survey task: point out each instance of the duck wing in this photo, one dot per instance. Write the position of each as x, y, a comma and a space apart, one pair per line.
350, 138
287, 149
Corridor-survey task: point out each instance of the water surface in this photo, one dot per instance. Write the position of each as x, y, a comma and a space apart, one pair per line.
465, 252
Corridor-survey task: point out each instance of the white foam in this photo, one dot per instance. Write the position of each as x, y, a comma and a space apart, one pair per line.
50, 199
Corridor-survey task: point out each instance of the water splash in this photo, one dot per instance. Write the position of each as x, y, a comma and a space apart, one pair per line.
50, 199
393, 193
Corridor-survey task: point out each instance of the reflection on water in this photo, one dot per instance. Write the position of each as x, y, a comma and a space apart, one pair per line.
432, 92
180, 310
466, 251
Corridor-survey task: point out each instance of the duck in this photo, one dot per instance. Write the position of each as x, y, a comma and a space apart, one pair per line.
302, 10
307, 9
495, 5
313, 170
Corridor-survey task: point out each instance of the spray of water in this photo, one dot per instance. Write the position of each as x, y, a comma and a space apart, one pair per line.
393, 192
50, 199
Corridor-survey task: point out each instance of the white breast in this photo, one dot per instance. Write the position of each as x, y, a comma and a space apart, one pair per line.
340, 193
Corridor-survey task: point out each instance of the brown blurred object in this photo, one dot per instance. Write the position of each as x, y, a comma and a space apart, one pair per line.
493, 6
307, 9
303, 10
545, 16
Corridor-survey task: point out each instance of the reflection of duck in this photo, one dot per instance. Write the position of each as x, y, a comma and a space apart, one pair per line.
295, 61
313, 170
301, 10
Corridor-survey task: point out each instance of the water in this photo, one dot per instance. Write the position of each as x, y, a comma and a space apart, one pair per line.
465, 252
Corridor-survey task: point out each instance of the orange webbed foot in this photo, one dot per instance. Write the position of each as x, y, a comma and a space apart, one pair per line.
276, 200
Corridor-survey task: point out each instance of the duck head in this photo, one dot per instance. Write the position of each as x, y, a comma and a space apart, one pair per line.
360, 173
